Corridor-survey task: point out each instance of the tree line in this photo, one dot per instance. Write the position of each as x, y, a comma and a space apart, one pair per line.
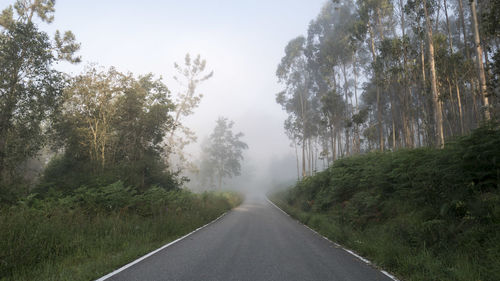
389, 74
95, 128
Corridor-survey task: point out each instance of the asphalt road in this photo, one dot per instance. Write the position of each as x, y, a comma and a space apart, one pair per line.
256, 241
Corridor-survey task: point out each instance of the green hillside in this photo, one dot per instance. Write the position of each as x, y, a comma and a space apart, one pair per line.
425, 214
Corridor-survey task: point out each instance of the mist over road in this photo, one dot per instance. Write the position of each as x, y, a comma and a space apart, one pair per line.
255, 241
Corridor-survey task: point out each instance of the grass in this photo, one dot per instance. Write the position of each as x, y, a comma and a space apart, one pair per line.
44, 240
407, 262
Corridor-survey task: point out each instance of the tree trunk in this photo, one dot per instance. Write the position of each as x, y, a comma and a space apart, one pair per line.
424, 105
332, 136
336, 151
464, 30
393, 128
450, 43
479, 53
455, 80
405, 112
435, 93
358, 142
339, 144
297, 158
459, 101
348, 115
303, 157
309, 156
379, 106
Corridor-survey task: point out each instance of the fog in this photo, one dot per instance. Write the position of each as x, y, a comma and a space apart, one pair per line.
242, 42
269, 160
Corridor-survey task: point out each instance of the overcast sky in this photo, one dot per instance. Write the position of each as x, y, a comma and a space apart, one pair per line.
242, 41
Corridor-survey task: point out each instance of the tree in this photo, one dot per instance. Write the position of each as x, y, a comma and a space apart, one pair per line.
63, 48
30, 89
113, 125
189, 77
333, 109
422, 83
29, 92
373, 12
90, 110
293, 71
224, 151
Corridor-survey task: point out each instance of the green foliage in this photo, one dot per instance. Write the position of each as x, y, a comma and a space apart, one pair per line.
112, 127
66, 47
223, 153
30, 92
30, 89
88, 233
420, 213
490, 18
43, 8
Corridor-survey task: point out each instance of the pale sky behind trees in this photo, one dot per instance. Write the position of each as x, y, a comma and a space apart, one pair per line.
242, 41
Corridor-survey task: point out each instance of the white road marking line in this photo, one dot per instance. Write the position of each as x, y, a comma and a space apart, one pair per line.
155, 251
389, 275
337, 245
358, 256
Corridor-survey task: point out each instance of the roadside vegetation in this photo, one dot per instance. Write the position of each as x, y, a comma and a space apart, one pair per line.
92, 231
424, 214
91, 164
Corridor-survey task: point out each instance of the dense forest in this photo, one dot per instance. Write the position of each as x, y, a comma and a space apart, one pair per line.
385, 75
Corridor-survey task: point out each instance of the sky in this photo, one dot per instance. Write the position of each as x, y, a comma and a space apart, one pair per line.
242, 41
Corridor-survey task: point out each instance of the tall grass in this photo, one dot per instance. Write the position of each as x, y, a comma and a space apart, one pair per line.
425, 214
92, 232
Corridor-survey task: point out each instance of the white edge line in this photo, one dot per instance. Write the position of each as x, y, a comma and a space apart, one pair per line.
155, 251
337, 245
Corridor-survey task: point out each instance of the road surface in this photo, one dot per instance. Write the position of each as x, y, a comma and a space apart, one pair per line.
256, 241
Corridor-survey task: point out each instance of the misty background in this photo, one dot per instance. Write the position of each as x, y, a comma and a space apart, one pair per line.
242, 42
